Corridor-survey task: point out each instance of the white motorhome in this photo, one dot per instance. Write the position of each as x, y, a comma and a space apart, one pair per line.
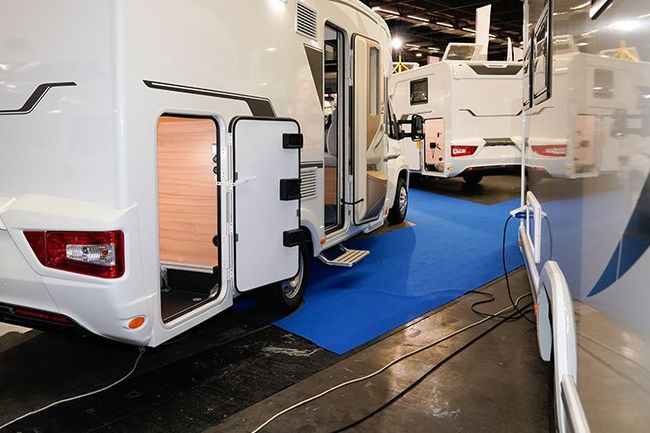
571, 136
162, 157
589, 267
471, 110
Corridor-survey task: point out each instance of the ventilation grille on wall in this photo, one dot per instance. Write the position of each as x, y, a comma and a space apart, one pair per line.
308, 183
306, 23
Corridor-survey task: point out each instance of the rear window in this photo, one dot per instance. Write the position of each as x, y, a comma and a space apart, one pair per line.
419, 91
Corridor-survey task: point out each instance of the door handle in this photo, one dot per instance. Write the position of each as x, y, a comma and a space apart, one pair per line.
354, 203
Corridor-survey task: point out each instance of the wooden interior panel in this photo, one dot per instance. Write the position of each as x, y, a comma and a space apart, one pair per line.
187, 192
330, 185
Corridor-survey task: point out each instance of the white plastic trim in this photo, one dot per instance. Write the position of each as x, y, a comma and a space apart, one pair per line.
4, 205
576, 418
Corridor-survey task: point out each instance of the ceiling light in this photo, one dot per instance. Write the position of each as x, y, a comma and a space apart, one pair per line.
412, 45
396, 42
625, 26
444, 24
434, 48
580, 6
469, 30
413, 17
418, 55
582, 44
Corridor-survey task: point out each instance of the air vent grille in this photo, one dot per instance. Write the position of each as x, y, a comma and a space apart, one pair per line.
306, 23
308, 183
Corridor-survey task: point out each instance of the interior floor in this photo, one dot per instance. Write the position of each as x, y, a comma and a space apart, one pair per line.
182, 291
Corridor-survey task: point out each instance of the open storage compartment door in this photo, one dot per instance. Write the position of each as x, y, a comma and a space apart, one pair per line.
266, 200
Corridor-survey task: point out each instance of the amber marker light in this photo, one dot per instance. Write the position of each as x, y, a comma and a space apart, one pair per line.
136, 322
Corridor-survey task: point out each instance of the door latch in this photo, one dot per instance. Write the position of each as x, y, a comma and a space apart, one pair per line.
239, 182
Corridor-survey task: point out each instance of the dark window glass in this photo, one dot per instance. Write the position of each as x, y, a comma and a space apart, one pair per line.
603, 83
419, 91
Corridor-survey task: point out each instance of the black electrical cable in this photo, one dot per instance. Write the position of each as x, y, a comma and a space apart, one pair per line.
518, 314
550, 237
426, 374
490, 299
505, 271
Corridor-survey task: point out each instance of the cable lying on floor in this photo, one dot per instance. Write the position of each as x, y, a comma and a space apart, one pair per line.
490, 298
505, 271
77, 397
402, 393
387, 366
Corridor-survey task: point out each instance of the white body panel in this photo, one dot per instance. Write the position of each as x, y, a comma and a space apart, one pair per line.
83, 157
597, 200
479, 104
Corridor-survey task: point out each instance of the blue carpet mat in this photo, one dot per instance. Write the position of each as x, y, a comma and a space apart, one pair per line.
454, 247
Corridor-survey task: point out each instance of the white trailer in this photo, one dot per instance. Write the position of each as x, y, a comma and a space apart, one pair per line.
163, 157
472, 114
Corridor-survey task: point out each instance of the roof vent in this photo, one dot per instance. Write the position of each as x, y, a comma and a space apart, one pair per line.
306, 24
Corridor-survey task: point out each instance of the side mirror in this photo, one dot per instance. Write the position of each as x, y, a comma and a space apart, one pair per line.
416, 124
417, 127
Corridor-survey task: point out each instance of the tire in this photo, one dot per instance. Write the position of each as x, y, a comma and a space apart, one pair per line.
472, 179
286, 296
397, 213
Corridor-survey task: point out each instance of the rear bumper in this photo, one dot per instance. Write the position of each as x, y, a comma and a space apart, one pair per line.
495, 170
38, 320
487, 160
548, 166
103, 307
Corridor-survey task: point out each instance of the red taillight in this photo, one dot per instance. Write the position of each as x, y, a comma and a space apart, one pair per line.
42, 315
463, 150
99, 254
557, 150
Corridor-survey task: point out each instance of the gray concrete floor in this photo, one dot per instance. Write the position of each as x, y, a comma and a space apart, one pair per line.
491, 190
498, 383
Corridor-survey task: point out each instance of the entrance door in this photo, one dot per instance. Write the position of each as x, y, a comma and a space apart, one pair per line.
370, 145
267, 200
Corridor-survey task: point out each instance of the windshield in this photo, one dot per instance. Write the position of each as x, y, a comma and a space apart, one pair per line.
391, 120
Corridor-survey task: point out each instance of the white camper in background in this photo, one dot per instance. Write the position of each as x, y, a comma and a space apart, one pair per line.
571, 136
151, 174
471, 110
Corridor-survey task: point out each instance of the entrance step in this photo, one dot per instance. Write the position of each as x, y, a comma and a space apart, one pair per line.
347, 259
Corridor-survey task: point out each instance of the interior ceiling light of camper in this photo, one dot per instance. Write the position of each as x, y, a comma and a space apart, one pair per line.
424, 27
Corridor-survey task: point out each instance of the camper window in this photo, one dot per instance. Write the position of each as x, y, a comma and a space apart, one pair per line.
603, 83
374, 81
420, 91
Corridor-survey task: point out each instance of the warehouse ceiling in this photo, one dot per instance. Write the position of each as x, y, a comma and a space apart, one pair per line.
427, 26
